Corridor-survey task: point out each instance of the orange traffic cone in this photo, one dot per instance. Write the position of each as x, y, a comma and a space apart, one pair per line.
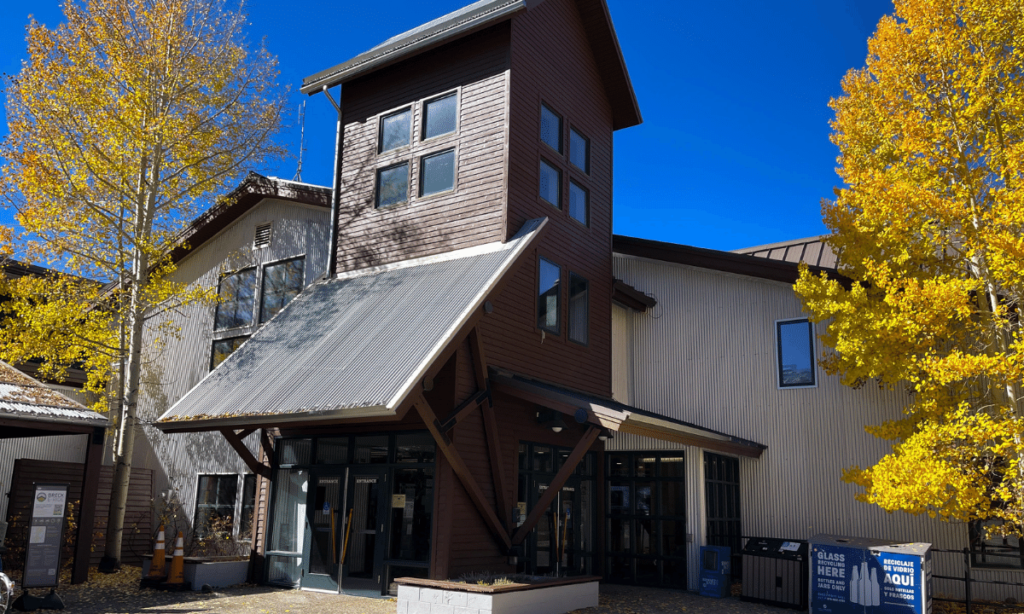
176, 576
158, 566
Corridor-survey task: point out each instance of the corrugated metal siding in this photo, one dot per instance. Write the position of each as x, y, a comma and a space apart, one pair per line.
179, 362
706, 354
67, 448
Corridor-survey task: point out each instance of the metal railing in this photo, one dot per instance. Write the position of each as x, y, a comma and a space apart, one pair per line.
968, 579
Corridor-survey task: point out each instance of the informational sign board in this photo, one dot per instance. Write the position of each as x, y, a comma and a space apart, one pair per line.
46, 536
866, 576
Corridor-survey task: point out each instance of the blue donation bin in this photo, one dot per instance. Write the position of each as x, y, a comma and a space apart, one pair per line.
858, 575
715, 572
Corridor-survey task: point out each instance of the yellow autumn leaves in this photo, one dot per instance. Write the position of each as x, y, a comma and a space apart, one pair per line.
929, 230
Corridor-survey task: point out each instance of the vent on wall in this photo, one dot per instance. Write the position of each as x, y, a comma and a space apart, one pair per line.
262, 235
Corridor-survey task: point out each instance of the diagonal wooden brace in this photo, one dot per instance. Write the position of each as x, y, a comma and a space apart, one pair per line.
589, 437
235, 440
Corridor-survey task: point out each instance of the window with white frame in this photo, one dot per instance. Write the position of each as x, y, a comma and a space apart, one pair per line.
794, 341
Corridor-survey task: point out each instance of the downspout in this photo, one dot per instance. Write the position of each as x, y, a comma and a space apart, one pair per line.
339, 143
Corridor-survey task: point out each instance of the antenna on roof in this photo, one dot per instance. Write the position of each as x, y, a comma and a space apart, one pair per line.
302, 140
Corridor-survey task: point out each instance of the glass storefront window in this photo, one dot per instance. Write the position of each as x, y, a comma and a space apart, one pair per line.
371, 450
542, 460
332, 450
289, 513
414, 448
294, 451
618, 465
412, 504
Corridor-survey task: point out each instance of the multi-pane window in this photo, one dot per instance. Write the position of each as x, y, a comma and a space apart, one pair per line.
393, 185
548, 295
795, 340
395, 130
215, 505
579, 151
281, 283
722, 504
579, 203
550, 184
551, 128
439, 116
222, 348
237, 293
437, 173
579, 309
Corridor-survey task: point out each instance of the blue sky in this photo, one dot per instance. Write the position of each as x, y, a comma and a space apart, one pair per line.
734, 148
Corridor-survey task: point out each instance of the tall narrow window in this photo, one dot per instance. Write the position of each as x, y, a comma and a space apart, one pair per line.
439, 116
579, 203
437, 173
395, 130
237, 297
795, 339
281, 283
393, 185
248, 506
551, 128
222, 348
550, 184
579, 151
579, 309
215, 505
548, 295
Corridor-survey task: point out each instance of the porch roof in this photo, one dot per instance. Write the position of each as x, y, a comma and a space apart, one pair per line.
350, 347
28, 408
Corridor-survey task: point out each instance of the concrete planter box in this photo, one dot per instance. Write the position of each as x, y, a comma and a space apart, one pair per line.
217, 572
546, 596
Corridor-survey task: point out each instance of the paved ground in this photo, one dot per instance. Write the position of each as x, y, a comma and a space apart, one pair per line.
119, 594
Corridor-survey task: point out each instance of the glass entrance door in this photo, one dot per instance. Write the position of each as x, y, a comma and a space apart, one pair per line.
362, 558
324, 530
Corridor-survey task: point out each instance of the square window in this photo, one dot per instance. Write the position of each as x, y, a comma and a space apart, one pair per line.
237, 294
437, 173
551, 128
215, 505
579, 151
548, 295
281, 283
393, 185
795, 339
579, 309
550, 184
395, 130
222, 348
579, 203
439, 116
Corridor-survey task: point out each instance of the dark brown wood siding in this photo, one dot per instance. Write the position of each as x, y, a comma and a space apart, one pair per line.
552, 64
138, 518
472, 214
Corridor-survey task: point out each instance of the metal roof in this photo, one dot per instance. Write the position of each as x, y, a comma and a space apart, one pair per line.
812, 250
354, 346
23, 398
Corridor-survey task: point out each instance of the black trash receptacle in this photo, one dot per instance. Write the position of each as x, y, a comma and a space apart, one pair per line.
775, 572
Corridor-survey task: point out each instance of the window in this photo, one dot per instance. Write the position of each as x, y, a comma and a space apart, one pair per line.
550, 184
237, 293
548, 293
439, 116
395, 130
551, 128
248, 506
215, 505
579, 306
579, 151
722, 505
437, 173
579, 203
222, 348
281, 283
990, 549
393, 185
795, 340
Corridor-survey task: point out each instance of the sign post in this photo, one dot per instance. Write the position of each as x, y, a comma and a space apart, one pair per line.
43, 550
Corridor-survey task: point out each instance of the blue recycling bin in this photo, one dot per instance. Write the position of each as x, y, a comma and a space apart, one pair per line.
855, 575
715, 571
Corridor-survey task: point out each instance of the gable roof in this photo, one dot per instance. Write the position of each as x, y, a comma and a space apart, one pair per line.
350, 347
812, 250
597, 22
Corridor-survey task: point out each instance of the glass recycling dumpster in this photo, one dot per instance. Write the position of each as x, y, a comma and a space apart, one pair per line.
859, 575
715, 572
775, 572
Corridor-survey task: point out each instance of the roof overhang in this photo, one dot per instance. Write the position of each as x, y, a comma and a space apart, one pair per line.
619, 417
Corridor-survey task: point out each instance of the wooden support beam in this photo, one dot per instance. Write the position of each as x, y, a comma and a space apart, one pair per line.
87, 512
589, 437
267, 444
236, 442
464, 409
462, 471
245, 433
476, 346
